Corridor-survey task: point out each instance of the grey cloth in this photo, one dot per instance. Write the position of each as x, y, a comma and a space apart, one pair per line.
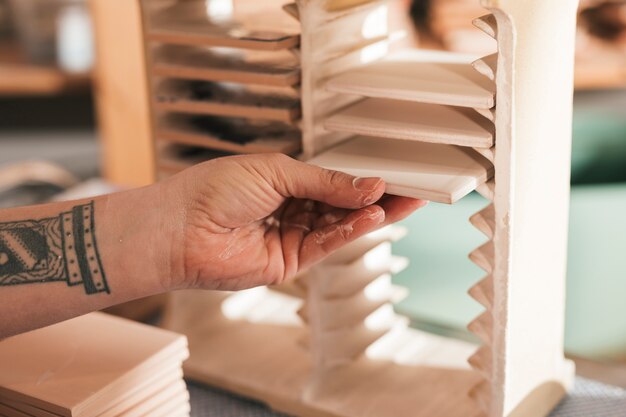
587, 399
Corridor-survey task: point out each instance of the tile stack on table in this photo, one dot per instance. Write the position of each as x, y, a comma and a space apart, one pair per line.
95, 365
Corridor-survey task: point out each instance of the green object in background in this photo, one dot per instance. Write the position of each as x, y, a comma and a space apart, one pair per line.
440, 272
441, 238
596, 285
598, 149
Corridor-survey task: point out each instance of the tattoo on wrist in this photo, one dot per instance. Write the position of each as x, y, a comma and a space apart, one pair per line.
55, 249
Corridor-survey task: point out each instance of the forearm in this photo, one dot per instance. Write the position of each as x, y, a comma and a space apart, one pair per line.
65, 259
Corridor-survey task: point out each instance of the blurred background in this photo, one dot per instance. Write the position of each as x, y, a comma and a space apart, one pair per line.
47, 114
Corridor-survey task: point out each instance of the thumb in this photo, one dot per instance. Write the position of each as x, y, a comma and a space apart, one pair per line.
300, 180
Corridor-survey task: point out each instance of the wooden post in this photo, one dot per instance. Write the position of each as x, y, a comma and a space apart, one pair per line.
121, 88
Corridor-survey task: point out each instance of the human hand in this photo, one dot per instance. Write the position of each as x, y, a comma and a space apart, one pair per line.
247, 221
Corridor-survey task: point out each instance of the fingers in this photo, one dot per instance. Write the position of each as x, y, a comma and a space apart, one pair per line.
323, 241
297, 222
300, 180
340, 227
398, 208
330, 217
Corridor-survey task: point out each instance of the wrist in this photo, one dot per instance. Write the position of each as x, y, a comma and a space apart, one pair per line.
136, 241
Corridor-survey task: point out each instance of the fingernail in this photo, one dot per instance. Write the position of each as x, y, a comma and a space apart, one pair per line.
378, 215
370, 199
366, 184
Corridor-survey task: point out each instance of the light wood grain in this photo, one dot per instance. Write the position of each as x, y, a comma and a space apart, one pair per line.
282, 380
122, 96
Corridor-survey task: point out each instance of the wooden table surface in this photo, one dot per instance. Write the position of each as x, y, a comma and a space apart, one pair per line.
17, 77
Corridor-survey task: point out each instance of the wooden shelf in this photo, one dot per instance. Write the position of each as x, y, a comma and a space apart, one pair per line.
182, 130
17, 77
422, 76
385, 371
414, 121
185, 35
187, 23
207, 98
201, 64
32, 81
441, 173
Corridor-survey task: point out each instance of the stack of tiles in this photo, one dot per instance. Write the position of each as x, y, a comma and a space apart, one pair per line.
95, 365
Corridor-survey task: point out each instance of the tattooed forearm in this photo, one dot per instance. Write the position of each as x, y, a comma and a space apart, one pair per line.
61, 248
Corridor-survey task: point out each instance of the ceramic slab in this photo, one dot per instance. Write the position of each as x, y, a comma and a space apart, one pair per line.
441, 173
208, 98
423, 76
6, 411
164, 399
196, 132
170, 374
414, 121
77, 367
203, 64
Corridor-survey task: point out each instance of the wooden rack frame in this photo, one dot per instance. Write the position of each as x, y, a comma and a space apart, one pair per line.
434, 125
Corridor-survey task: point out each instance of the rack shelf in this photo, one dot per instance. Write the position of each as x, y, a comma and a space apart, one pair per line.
182, 130
201, 64
188, 24
414, 121
207, 98
421, 76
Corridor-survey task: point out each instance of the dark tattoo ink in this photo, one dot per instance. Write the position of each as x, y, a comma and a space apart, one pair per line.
61, 248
